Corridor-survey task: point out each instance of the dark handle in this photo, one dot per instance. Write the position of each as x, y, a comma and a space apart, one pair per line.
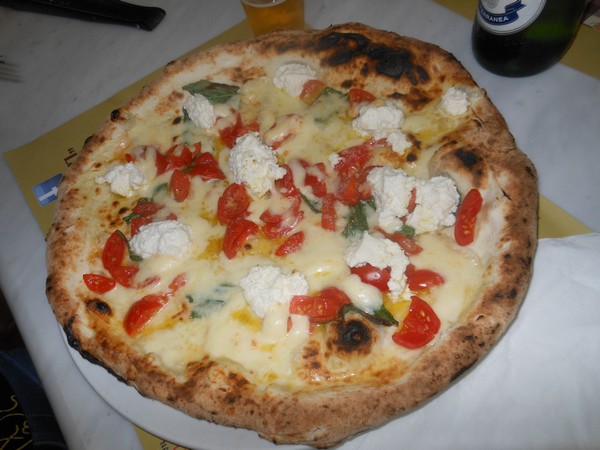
111, 11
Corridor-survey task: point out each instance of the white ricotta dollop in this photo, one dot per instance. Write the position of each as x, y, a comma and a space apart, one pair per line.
455, 102
398, 141
201, 111
124, 179
391, 192
267, 286
436, 202
254, 164
381, 253
291, 77
168, 237
378, 121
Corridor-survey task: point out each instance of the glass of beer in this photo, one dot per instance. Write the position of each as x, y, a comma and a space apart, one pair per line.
270, 15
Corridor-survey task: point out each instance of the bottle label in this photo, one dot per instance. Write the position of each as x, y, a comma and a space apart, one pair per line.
508, 16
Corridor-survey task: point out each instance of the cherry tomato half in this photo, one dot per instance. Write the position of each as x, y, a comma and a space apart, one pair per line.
372, 275
234, 202
237, 233
328, 213
466, 217
356, 96
98, 283
322, 307
114, 251
419, 327
292, 244
180, 185
419, 279
311, 90
206, 167
142, 311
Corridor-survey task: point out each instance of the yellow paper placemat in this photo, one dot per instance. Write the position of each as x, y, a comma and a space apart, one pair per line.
583, 55
53, 152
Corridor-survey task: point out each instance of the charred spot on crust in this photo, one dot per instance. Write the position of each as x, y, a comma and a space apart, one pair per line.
99, 306
71, 339
467, 157
461, 371
391, 62
352, 336
347, 84
118, 115
177, 120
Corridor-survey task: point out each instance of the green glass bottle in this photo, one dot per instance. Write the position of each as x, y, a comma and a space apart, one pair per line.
518, 38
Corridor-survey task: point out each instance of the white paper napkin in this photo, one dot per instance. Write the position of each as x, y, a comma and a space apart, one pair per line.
539, 387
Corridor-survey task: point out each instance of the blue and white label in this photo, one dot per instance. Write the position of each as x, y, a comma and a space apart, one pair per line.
46, 191
508, 16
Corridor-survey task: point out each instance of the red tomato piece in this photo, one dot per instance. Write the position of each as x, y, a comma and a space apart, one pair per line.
409, 246
351, 179
180, 185
292, 244
178, 157
311, 90
372, 275
206, 167
279, 225
136, 223
147, 208
328, 213
419, 279
98, 283
142, 311
285, 185
178, 282
412, 202
353, 158
234, 202
114, 251
124, 275
419, 327
356, 96
161, 163
466, 217
237, 233
315, 178
230, 134
319, 308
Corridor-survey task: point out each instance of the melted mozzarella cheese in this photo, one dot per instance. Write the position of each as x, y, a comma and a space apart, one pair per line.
224, 326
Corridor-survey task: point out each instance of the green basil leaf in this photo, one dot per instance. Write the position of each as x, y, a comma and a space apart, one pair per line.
163, 187
128, 218
381, 317
384, 315
328, 104
132, 255
357, 221
203, 306
214, 92
407, 231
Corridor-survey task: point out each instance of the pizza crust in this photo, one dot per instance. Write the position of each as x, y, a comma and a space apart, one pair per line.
481, 154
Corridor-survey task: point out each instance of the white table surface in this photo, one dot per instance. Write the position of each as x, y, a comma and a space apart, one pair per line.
69, 66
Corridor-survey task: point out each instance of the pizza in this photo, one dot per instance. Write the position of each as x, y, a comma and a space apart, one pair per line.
305, 234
